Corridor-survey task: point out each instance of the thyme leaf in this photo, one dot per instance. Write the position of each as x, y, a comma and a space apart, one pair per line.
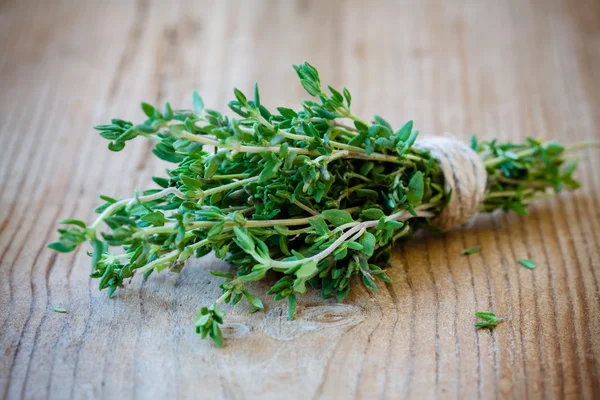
471, 250
490, 320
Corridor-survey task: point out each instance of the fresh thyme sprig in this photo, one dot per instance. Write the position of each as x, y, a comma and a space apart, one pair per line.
315, 196
490, 320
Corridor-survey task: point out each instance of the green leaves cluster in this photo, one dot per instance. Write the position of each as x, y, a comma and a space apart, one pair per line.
207, 323
70, 237
313, 197
520, 173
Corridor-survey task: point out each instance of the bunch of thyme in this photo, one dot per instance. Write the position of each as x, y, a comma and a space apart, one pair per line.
314, 196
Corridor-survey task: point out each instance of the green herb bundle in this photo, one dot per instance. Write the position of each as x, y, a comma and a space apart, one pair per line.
312, 196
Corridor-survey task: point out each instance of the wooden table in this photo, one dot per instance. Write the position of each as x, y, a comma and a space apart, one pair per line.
509, 69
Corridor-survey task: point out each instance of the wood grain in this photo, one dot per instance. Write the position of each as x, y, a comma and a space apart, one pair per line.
509, 69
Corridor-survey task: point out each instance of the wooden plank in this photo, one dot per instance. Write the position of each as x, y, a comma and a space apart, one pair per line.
505, 69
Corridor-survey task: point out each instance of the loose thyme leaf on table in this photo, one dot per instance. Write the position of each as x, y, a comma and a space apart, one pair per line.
490, 320
313, 196
471, 250
527, 263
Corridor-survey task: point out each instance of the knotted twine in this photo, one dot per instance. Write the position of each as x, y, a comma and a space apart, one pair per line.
464, 173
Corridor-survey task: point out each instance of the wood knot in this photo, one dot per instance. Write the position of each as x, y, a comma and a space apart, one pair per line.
235, 330
312, 318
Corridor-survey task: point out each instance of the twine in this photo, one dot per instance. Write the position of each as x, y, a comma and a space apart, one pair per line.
464, 174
